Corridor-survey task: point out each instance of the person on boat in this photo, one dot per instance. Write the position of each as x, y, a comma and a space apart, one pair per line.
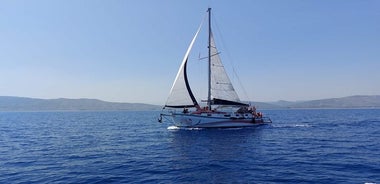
242, 110
253, 111
205, 109
200, 110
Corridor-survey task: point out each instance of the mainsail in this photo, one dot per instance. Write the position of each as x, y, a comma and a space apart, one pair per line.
222, 91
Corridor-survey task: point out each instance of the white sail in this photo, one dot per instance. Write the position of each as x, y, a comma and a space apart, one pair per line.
221, 86
221, 89
180, 93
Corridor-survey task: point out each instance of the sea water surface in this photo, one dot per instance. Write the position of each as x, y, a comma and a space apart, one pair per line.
301, 146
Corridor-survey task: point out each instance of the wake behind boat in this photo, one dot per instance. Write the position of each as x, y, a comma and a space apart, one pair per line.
223, 109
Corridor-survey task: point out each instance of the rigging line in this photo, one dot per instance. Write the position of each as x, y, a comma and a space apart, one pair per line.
230, 60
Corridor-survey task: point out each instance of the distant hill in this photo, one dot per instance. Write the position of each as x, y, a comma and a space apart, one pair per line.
358, 101
283, 103
266, 105
8, 103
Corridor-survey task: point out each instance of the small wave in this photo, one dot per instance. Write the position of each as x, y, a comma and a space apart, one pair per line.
291, 125
193, 128
182, 128
369, 183
173, 128
304, 125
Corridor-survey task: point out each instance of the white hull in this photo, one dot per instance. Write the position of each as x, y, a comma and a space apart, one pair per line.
216, 121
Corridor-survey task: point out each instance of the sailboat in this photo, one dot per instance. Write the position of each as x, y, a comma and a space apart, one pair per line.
223, 109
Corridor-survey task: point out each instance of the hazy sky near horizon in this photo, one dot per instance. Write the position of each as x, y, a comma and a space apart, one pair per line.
130, 51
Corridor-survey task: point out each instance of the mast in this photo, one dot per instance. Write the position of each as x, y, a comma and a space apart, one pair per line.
209, 59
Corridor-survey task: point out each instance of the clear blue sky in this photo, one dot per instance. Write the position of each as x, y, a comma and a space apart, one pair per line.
130, 51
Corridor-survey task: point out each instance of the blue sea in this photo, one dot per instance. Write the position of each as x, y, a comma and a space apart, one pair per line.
301, 146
